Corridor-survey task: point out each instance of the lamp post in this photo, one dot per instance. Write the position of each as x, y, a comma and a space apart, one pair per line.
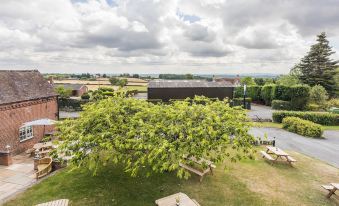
244, 96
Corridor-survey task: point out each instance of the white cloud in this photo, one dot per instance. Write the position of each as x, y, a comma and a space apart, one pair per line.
153, 36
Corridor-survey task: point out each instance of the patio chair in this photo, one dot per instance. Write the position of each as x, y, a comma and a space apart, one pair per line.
44, 167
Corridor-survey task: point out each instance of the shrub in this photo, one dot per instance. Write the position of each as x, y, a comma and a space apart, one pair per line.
281, 92
110, 94
318, 95
323, 118
299, 96
266, 93
302, 127
333, 103
281, 105
238, 92
85, 96
314, 107
106, 89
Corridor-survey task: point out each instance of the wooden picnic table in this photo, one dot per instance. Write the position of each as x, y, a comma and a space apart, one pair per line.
171, 200
279, 153
332, 188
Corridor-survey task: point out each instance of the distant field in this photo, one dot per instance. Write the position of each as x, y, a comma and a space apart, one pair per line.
103, 82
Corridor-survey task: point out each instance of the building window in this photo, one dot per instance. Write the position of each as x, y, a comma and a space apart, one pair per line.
25, 133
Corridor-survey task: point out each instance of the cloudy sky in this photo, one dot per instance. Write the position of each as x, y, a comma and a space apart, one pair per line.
162, 36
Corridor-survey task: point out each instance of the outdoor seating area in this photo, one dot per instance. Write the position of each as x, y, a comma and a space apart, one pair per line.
177, 199
278, 155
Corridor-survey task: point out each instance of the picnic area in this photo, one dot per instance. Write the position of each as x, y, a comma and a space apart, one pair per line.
248, 182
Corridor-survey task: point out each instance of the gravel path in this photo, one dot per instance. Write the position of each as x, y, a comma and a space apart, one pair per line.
326, 149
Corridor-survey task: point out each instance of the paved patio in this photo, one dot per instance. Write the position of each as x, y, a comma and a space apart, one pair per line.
16, 177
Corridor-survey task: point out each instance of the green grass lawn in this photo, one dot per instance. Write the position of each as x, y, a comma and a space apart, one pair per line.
279, 125
245, 183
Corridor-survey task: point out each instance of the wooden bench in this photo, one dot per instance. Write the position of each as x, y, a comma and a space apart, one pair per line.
290, 159
267, 156
191, 169
61, 202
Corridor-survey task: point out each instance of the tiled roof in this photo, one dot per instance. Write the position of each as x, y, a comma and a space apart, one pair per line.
186, 84
17, 86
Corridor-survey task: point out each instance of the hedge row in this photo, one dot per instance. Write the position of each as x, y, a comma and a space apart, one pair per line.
298, 95
323, 118
281, 105
302, 127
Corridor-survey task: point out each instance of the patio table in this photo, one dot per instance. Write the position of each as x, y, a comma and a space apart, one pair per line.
171, 200
45, 145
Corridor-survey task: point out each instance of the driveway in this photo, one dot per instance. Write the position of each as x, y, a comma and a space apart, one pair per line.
326, 149
261, 111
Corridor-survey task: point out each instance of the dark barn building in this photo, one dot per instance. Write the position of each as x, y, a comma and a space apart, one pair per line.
181, 89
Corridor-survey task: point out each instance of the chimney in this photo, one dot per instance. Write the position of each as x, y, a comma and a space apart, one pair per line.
50, 80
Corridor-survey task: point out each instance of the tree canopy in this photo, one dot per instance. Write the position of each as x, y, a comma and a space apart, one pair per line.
155, 137
63, 92
317, 67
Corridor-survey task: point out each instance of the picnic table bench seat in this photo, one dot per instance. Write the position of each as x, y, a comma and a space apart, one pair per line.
267, 156
61, 202
291, 159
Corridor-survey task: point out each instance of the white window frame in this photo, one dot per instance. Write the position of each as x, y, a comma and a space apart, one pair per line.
25, 133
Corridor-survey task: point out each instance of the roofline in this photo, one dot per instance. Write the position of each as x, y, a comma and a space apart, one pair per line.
191, 87
31, 70
28, 100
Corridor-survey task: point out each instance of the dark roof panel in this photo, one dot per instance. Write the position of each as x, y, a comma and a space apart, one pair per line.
17, 86
69, 86
186, 84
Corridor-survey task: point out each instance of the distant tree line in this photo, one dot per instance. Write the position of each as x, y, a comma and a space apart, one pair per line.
183, 76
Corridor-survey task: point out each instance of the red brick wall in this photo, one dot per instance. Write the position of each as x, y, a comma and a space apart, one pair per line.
81, 91
14, 115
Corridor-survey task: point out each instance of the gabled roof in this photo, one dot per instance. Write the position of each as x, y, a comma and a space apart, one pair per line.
69, 86
18, 85
186, 84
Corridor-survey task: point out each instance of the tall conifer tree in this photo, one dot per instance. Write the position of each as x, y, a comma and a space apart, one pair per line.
317, 67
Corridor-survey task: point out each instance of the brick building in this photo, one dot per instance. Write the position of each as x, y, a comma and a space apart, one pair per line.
24, 96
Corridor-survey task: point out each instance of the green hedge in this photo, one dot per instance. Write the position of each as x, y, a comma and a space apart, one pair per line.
299, 96
302, 127
266, 93
281, 105
323, 118
281, 92
254, 92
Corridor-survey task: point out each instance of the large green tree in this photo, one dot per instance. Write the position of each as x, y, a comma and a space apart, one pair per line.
317, 67
155, 137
